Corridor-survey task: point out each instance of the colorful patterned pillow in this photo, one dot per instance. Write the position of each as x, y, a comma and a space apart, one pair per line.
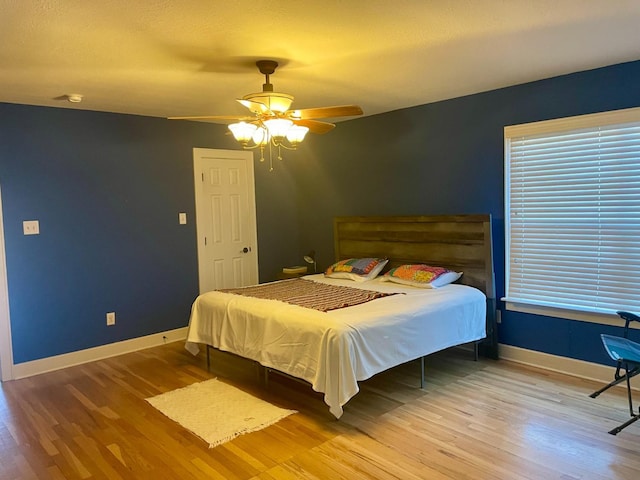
423, 276
358, 269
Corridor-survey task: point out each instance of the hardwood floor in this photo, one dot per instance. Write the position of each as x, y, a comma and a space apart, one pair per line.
474, 420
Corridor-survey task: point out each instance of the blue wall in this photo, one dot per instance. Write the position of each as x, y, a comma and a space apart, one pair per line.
107, 190
446, 158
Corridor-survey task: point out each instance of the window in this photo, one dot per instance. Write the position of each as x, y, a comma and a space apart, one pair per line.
572, 219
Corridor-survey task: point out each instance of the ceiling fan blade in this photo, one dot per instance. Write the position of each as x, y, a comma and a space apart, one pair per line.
315, 126
213, 117
255, 107
325, 112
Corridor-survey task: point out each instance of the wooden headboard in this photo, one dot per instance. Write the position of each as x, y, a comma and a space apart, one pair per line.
458, 242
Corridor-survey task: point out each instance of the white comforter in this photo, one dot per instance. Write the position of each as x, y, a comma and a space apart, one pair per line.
336, 349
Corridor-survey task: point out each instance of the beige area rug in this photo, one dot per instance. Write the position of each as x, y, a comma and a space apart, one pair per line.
217, 412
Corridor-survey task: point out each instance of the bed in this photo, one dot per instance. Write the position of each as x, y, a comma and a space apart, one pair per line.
334, 350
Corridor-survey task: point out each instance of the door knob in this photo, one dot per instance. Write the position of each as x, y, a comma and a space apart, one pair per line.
246, 249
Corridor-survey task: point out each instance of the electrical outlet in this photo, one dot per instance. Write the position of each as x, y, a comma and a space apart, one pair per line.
111, 318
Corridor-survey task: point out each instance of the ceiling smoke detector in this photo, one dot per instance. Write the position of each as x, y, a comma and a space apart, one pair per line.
74, 97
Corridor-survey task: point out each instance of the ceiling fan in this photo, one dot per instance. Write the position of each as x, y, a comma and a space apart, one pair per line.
272, 121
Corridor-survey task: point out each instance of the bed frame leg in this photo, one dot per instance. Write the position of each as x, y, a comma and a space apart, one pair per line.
421, 372
476, 348
208, 358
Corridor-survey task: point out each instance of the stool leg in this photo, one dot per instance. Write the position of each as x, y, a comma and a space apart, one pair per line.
618, 429
606, 387
629, 393
634, 417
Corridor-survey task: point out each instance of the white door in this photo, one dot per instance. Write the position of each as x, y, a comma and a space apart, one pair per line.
225, 218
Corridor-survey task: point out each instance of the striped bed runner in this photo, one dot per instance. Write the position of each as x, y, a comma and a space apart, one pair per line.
309, 294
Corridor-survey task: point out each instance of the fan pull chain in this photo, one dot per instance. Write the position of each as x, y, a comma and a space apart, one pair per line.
270, 157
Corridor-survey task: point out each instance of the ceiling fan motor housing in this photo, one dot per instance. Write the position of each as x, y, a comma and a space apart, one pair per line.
267, 67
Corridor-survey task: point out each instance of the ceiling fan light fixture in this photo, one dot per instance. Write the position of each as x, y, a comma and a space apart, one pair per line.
278, 127
296, 134
243, 132
275, 102
261, 137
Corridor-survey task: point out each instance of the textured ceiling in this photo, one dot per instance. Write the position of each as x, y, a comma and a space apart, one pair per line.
194, 57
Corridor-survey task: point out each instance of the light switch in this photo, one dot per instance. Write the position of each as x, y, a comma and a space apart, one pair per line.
182, 218
31, 227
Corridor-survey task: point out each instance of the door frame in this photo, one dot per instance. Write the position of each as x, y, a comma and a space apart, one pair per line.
6, 349
240, 155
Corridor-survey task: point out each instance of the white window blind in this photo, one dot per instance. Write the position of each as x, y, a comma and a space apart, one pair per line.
573, 212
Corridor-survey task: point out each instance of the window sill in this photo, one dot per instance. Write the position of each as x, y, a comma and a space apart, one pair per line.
591, 317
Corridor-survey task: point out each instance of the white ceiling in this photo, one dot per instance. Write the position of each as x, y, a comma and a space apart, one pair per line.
194, 57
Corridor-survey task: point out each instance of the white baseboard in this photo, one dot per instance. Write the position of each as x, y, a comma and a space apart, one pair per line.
569, 366
49, 364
